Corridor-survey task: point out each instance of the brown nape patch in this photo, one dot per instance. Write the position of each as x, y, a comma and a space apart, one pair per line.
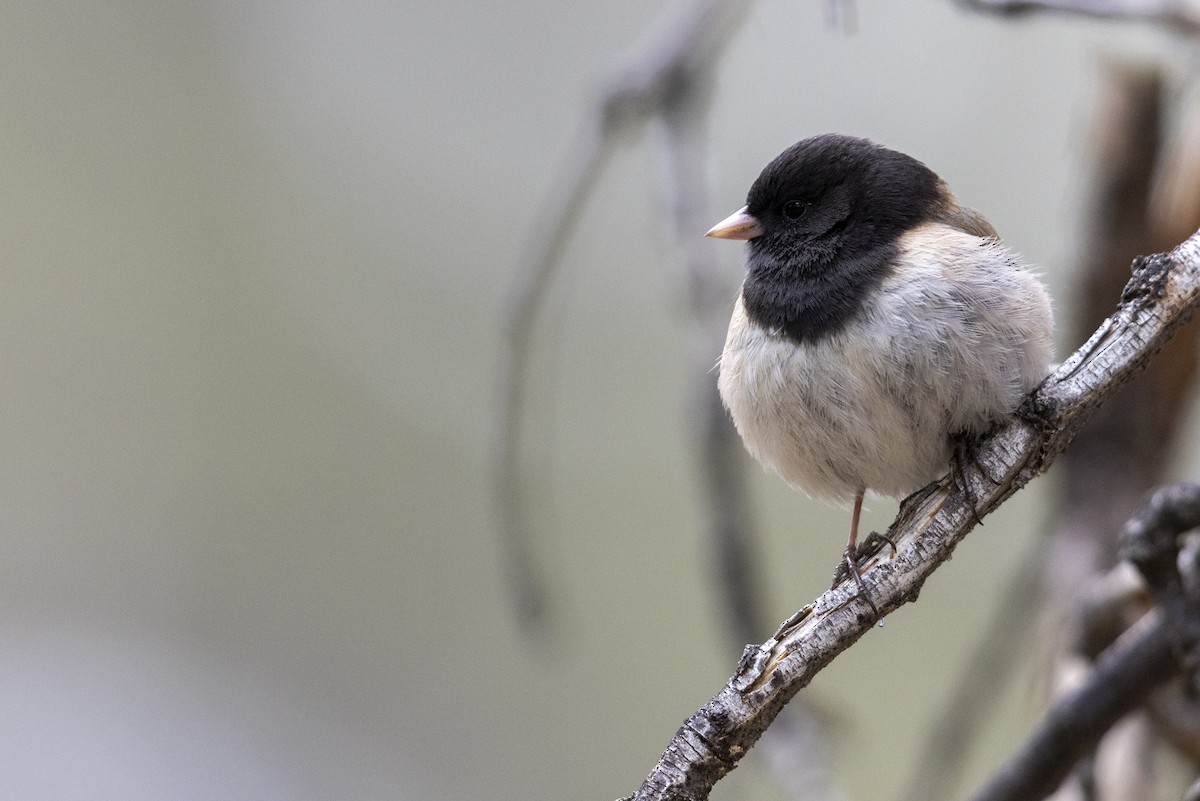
971, 222
964, 219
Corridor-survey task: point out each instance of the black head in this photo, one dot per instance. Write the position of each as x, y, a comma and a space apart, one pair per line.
823, 220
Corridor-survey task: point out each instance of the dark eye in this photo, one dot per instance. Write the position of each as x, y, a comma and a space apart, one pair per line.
795, 209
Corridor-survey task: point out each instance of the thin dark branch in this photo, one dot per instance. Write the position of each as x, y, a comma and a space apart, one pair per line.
1153, 650
640, 86
710, 290
1122, 678
1170, 14
588, 155
1151, 541
1162, 294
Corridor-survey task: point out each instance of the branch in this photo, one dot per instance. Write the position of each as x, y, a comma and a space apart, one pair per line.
1123, 677
1162, 294
640, 86
589, 154
1152, 651
709, 286
1171, 14
1151, 542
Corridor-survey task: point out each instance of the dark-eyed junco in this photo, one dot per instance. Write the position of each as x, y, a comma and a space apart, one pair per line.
880, 323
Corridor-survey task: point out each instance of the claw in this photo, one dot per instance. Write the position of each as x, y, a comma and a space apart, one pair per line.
966, 451
848, 568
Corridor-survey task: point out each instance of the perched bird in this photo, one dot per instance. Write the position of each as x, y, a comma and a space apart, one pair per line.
880, 324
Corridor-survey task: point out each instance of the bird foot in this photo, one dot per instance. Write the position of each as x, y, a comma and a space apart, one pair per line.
854, 554
966, 452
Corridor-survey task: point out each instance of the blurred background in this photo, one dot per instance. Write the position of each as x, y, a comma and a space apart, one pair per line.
255, 257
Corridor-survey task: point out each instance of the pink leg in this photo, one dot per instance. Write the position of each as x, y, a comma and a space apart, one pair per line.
850, 562
858, 499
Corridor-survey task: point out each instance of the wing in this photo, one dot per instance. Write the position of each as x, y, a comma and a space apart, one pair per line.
978, 324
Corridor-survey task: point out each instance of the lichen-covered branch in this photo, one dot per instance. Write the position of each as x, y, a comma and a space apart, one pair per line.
1161, 296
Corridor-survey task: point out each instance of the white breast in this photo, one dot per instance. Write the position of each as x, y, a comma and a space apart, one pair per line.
949, 344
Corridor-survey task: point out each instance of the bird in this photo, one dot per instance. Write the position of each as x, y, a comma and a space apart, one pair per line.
881, 325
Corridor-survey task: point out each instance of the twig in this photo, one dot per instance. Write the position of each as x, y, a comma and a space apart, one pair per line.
640, 86
1162, 294
1125, 448
1151, 542
1173, 15
588, 155
1153, 650
710, 291
1122, 678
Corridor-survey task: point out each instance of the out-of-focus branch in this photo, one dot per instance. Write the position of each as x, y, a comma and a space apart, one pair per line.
1164, 291
588, 155
1171, 14
1122, 453
841, 15
1159, 646
1122, 678
1152, 542
640, 86
725, 495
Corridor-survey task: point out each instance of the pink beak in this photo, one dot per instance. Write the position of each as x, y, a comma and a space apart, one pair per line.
739, 225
